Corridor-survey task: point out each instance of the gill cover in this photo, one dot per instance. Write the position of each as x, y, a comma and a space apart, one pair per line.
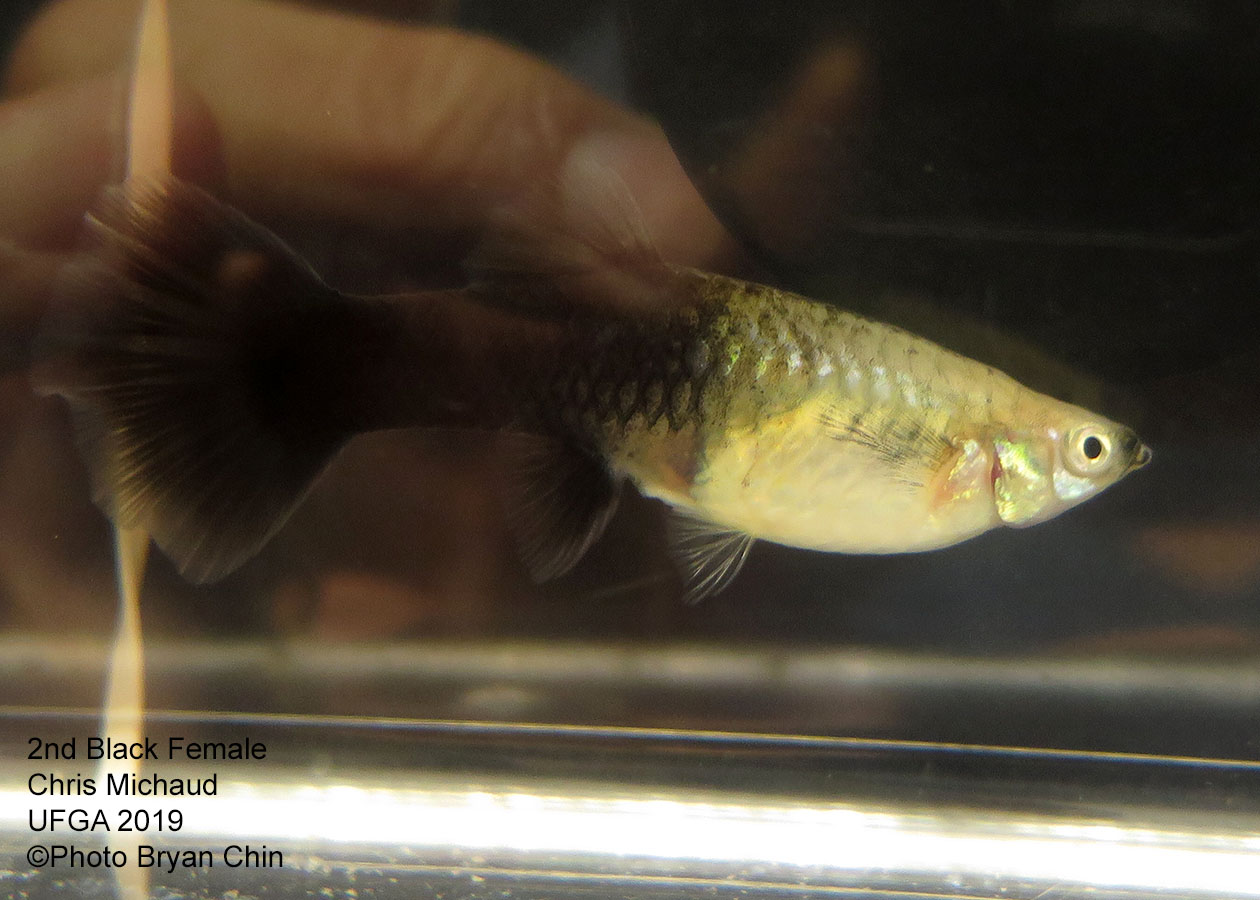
1022, 480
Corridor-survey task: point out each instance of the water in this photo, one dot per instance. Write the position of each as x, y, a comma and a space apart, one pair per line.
1067, 193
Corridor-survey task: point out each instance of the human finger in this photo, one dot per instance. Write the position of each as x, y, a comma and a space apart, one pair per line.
58, 146
404, 127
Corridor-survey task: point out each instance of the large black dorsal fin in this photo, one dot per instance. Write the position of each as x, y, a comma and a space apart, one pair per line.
577, 241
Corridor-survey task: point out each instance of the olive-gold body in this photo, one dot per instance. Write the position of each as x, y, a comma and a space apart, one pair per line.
799, 423
214, 377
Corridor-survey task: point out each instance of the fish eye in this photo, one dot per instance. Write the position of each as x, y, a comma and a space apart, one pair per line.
1088, 451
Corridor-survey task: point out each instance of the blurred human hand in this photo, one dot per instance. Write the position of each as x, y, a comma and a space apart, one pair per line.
380, 149
323, 114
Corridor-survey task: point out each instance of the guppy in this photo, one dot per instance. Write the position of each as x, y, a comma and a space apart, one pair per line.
213, 377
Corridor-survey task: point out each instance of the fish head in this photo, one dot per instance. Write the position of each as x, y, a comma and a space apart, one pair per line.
1040, 472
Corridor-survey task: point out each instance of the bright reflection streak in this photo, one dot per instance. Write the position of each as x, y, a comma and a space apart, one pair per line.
845, 841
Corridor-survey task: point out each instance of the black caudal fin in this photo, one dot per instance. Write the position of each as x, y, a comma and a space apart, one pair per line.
182, 340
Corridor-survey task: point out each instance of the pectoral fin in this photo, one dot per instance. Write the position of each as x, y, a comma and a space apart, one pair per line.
906, 446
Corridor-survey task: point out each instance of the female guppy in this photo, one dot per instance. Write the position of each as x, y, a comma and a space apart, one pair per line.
213, 377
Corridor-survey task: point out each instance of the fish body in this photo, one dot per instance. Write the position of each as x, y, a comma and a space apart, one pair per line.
213, 377
824, 430
807, 425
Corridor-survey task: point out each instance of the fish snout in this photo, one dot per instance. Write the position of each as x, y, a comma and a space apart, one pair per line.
1132, 448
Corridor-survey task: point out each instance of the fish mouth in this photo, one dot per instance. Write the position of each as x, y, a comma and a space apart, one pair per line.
1132, 449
